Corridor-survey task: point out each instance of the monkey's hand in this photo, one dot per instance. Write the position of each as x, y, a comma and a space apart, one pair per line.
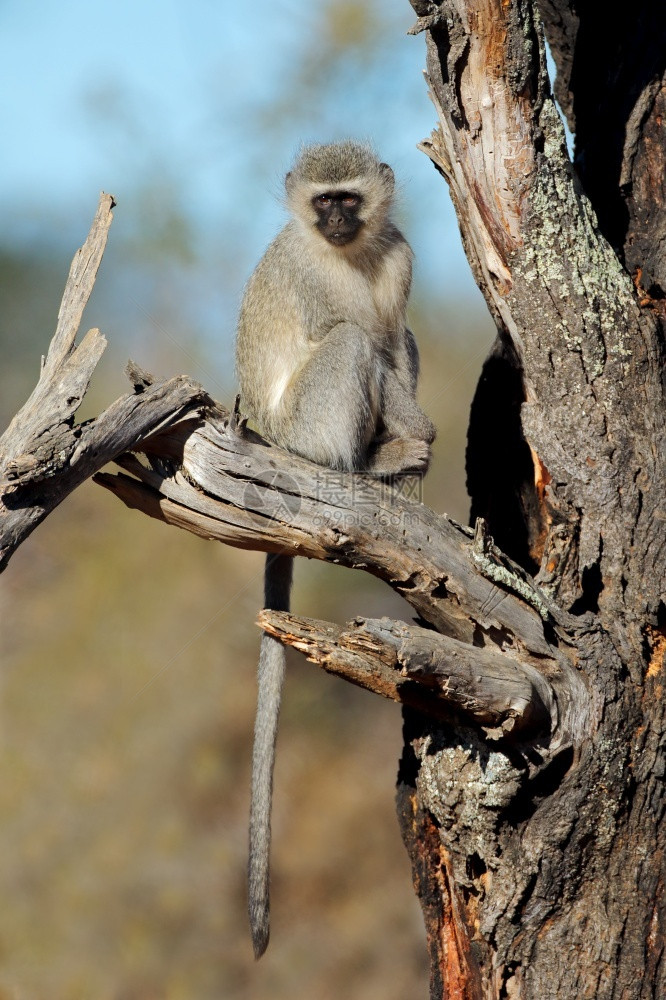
401, 456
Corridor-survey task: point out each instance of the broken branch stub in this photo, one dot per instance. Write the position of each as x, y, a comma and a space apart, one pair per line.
439, 676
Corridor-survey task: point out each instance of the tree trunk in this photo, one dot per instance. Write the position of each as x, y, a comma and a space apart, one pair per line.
547, 880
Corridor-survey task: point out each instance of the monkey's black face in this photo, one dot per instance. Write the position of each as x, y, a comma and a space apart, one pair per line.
337, 216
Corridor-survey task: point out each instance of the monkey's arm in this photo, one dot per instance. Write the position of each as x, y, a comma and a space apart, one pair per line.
408, 360
401, 414
328, 410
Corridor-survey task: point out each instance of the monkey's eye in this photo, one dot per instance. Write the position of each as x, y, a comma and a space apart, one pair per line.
350, 200
323, 199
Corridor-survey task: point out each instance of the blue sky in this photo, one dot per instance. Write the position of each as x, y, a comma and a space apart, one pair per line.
157, 64
114, 95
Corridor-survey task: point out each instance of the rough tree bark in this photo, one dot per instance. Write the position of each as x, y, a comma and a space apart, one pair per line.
554, 885
530, 792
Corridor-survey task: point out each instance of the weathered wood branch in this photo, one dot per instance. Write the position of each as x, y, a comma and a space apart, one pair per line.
442, 677
235, 487
49, 408
242, 490
44, 454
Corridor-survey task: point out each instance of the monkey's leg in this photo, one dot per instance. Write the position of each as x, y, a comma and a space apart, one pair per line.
404, 446
277, 587
330, 409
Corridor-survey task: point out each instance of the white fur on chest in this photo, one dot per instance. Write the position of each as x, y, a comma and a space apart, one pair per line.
351, 293
376, 303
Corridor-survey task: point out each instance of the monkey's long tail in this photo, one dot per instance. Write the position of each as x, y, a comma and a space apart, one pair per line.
277, 588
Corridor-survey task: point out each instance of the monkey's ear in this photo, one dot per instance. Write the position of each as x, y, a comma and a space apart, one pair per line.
387, 175
288, 181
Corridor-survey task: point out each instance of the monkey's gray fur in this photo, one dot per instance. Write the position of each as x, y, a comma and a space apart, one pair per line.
328, 369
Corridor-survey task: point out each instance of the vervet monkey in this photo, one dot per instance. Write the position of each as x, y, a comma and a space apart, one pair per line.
328, 369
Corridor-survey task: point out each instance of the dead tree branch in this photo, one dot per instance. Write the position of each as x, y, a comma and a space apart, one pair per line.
239, 489
439, 676
44, 454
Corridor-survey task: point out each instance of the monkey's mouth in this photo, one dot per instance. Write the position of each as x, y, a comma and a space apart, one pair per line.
340, 237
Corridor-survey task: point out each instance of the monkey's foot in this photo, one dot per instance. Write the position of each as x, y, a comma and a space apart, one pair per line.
399, 457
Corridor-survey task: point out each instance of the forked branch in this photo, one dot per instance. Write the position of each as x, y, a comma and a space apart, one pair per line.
502, 659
